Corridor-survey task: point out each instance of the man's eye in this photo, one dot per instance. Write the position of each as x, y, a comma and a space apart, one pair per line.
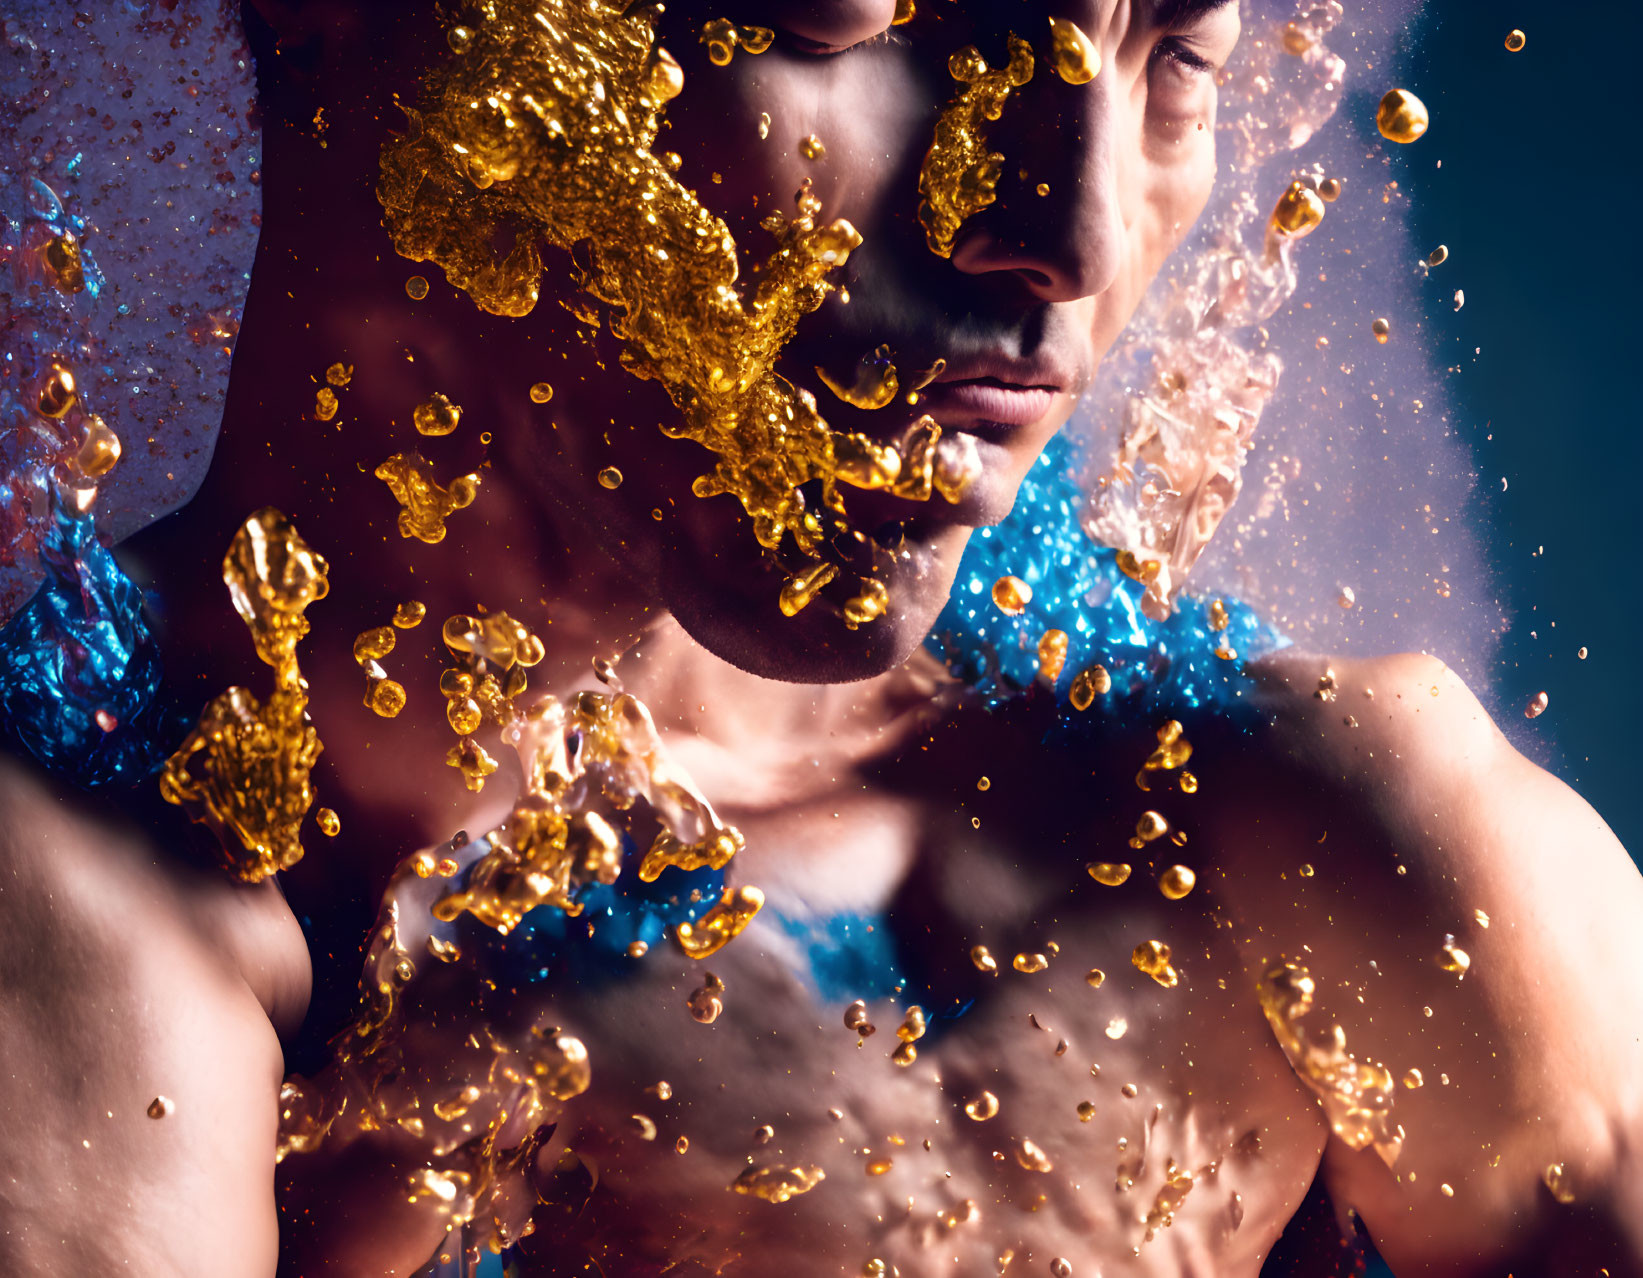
1177, 50
805, 47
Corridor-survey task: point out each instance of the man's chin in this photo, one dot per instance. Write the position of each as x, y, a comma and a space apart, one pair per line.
746, 628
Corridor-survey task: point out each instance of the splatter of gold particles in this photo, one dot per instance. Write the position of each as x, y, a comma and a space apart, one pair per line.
1072, 53
960, 175
1011, 596
416, 288
542, 130
1356, 1096
778, 1184
425, 503
436, 415
244, 771
1401, 116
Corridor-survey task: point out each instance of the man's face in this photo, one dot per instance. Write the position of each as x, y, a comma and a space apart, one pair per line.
1100, 182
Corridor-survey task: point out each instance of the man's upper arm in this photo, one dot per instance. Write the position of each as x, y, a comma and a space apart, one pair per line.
1420, 825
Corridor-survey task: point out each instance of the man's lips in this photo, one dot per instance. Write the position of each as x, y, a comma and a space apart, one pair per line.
988, 400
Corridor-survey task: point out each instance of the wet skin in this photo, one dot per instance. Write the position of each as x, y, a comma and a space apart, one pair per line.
1061, 272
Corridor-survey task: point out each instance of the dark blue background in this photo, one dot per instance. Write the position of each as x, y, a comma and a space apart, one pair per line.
1536, 201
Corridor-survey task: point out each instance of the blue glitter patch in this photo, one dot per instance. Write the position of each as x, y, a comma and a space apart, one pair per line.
1078, 588
79, 671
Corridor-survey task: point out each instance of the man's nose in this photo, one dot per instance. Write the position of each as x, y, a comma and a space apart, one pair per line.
1069, 242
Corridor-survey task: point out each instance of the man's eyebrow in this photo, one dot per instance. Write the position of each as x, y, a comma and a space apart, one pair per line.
1169, 14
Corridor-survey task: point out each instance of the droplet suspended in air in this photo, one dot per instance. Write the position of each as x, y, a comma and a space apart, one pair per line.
1401, 116
1515, 40
1011, 596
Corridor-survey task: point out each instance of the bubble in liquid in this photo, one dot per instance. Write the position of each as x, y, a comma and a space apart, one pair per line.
436, 415
1515, 40
1011, 596
610, 478
541, 393
1108, 873
1401, 116
416, 288
1072, 53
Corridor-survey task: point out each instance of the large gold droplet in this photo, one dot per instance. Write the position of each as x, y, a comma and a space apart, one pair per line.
1011, 596
1030, 963
1401, 116
873, 382
1108, 873
1150, 826
983, 959
541, 392
1176, 882
1087, 685
330, 824
1299, 211
721, 924
799, 590
1072, 53
1153, 958
436, 415
1052, 654
409, 615
99, 450
610, 478
778, 1184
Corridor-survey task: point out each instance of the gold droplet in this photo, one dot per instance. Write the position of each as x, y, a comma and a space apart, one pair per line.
645, 1126
1481, 918
913, 1025
1095, 978
409, 615
330, 824
1188, 783
764, 125
778, 1184
416, 288
638, 949
1086, 1111
1401, 116
721, 924
610, 478
1330, 189
1116, 1028
983, 959
1307, 871
1382, 329
1296, 39
982, 1108
1218, 618
161, 1107
1072, 53
1032, 1158
385, 697
1557, 1180
704, 1003
1299, 211
879, 1166
1438, 256
1153, 958
905, 1054
811, 148
339, 374
1129, 1091
99, 450
63, 261
374, 644
325, 404
58, 395
541, 393
1087, 685
1043, 188
681, 1145
799, 590
1030, 963
1515, 40
1176, 882
984, 784
1108, 873
1150, 826
1536, 706
1412, 1078
1451, 958
1052, 654
436, 416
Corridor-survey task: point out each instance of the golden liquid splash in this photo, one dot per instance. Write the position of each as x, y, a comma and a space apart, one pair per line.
542, 130
874, 382
1072, 53
1357, 1096
960, 175
426, 503
778, 1184
243, 772
1401, 116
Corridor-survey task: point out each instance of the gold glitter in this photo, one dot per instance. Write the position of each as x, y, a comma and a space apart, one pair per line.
983, 1107
1176, 882
426, 504
1032, 1158
409, 615
610, 477
436, 415
416, 288
243, 772
544, 130
1299, 211
1052, 654
99, 450
1087, 685
1072, 53
723, 37
1152, 957
1515, 40
983, 959
1030, 963
1556, 1177
541, 392
1451, 958
1536, 706
1382, 329
811, 148
1401, 116
1356, 1095
960, 174
721, 924
1108, 873
330, 824
161, 1107
325, 404
778, 1184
